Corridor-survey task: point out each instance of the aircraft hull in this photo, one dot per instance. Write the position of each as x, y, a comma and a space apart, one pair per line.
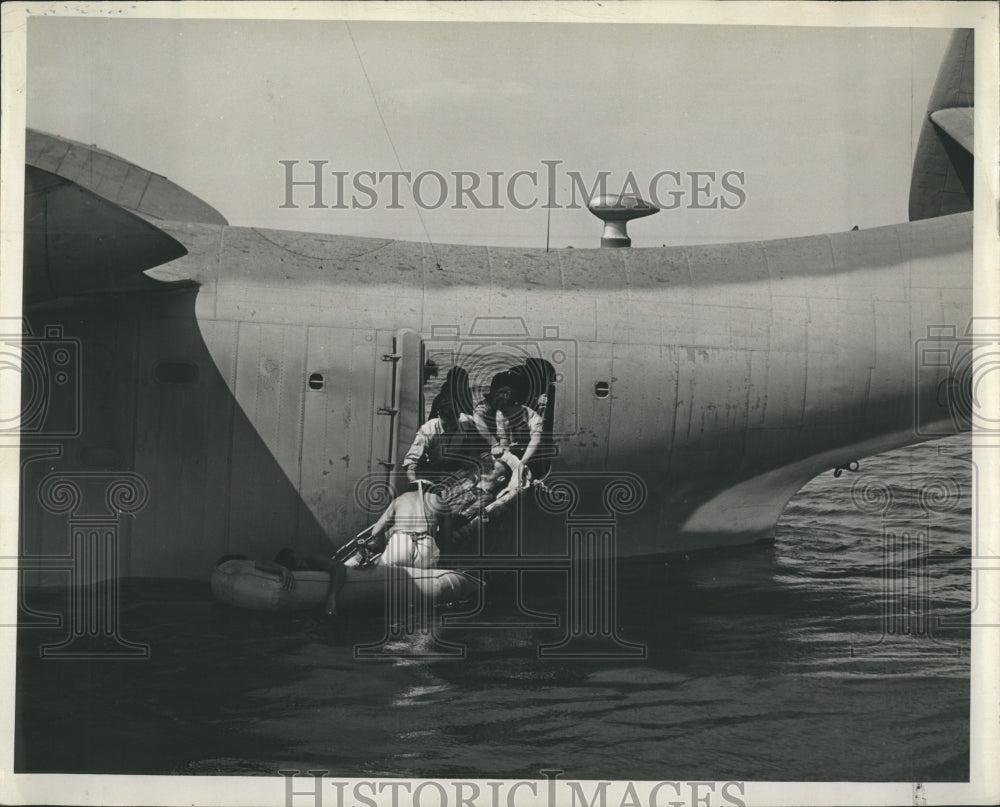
735, 373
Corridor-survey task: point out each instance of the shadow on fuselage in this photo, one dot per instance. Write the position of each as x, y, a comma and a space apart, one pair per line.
151, 401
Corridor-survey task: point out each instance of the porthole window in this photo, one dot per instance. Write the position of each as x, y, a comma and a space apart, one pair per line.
602, 389
316, 381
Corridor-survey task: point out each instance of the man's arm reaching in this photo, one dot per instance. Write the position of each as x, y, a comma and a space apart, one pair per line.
379, 527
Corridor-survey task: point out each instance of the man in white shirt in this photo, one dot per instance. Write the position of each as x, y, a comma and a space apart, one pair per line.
410, 527
443, 444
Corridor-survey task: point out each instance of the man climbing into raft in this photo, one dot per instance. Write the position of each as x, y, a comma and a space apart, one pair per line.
410, 526
415, 524
412, 523
408, 532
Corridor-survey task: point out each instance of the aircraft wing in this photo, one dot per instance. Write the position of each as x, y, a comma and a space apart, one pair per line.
77, 242
117, 180
90, 220
956, 122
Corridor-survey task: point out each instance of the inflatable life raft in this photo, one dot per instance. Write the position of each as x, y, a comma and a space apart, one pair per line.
243, 584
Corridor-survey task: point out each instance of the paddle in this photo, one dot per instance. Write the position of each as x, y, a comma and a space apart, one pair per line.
351, 548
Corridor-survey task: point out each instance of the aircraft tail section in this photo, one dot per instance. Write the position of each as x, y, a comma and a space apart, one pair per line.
941, 183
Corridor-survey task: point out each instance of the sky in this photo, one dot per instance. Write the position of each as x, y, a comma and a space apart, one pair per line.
818, 125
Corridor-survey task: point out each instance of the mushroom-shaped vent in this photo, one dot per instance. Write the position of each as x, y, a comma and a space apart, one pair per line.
616, 212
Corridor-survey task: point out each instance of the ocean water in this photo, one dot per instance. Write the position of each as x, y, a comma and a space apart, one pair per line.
840, 652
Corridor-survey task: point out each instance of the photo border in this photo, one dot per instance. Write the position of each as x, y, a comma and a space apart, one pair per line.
984, 785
